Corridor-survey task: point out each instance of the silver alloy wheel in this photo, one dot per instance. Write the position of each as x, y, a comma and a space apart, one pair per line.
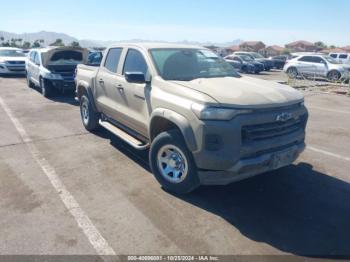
292, 72
172, 163
85, 110
333, 76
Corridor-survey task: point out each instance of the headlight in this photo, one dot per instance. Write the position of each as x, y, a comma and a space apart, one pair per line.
52, 76
216, 113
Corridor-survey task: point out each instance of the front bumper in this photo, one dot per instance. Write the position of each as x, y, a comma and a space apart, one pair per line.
251, 167
234, 147
63, 85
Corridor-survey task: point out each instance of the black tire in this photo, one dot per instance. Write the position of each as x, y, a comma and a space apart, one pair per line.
292, 72
30, 84
333, 75
89, 116
173, 138
46, 88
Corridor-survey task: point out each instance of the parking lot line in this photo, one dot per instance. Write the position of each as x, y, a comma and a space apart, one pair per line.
94, 236
328, 153
329, 110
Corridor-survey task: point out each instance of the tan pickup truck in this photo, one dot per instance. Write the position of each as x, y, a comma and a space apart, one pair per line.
203, 122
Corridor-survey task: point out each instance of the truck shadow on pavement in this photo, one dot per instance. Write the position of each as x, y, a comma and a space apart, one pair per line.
295, 209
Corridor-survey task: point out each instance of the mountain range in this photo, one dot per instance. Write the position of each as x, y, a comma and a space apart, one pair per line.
50, 37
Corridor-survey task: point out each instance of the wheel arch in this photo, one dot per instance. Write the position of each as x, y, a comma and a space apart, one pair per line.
84, 87
164, 119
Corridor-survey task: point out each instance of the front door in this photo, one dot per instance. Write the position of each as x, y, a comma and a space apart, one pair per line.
136, 96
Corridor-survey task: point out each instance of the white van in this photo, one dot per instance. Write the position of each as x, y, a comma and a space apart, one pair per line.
341, 57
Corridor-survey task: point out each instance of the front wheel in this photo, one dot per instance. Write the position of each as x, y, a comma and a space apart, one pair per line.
30, 84
333, 76
89, 116
172, 163
46, 88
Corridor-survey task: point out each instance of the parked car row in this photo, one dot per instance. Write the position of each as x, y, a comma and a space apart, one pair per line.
245, 64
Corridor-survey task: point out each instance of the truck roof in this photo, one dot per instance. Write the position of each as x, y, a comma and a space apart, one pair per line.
151, 45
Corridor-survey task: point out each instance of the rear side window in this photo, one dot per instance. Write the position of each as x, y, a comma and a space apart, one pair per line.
134, 62
343, 56
112, 59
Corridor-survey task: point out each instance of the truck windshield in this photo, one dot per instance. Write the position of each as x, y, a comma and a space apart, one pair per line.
12, 53
184, 64
66, 57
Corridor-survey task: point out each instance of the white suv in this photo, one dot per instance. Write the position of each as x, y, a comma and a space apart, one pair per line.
12, 61
53, 68
316, 66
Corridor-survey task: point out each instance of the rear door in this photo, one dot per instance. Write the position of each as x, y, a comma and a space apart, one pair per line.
108, 93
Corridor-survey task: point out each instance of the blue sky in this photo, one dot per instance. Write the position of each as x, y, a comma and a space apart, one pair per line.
272, 21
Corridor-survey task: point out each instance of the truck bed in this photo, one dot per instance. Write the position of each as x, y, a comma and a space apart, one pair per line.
86, 75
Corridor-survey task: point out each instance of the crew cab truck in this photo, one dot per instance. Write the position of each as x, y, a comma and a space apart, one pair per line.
53, 68
202, 122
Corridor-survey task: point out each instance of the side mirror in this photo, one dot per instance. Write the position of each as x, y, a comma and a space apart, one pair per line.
135, 77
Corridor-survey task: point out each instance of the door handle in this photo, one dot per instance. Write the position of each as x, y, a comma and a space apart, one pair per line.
101, 81
120, 87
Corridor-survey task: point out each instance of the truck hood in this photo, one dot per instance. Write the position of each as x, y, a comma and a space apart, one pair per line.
244, 91
46, 56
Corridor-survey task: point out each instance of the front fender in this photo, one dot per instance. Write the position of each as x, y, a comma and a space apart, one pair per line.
180, 121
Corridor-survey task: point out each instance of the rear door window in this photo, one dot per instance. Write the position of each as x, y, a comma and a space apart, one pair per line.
343, 56
112, 59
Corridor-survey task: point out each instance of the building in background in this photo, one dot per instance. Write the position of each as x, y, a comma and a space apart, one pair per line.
301, 46
272, 50
252, 46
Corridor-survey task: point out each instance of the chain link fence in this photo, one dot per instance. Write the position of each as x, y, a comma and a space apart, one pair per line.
309, 77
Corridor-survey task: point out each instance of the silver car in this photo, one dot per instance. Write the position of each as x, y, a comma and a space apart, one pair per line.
316, 66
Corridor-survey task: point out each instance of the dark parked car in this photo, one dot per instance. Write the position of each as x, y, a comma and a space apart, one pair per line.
279, 61
95, 58
248, 65
268, 64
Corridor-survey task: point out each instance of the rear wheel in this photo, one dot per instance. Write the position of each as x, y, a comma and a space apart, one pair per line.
292, 72
89, 116
333, 76
172, 163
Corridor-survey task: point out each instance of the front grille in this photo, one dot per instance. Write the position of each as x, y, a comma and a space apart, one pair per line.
16, 68
271, 130
15, 62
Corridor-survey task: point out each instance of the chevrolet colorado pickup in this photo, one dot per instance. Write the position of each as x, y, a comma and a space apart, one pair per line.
203, 122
